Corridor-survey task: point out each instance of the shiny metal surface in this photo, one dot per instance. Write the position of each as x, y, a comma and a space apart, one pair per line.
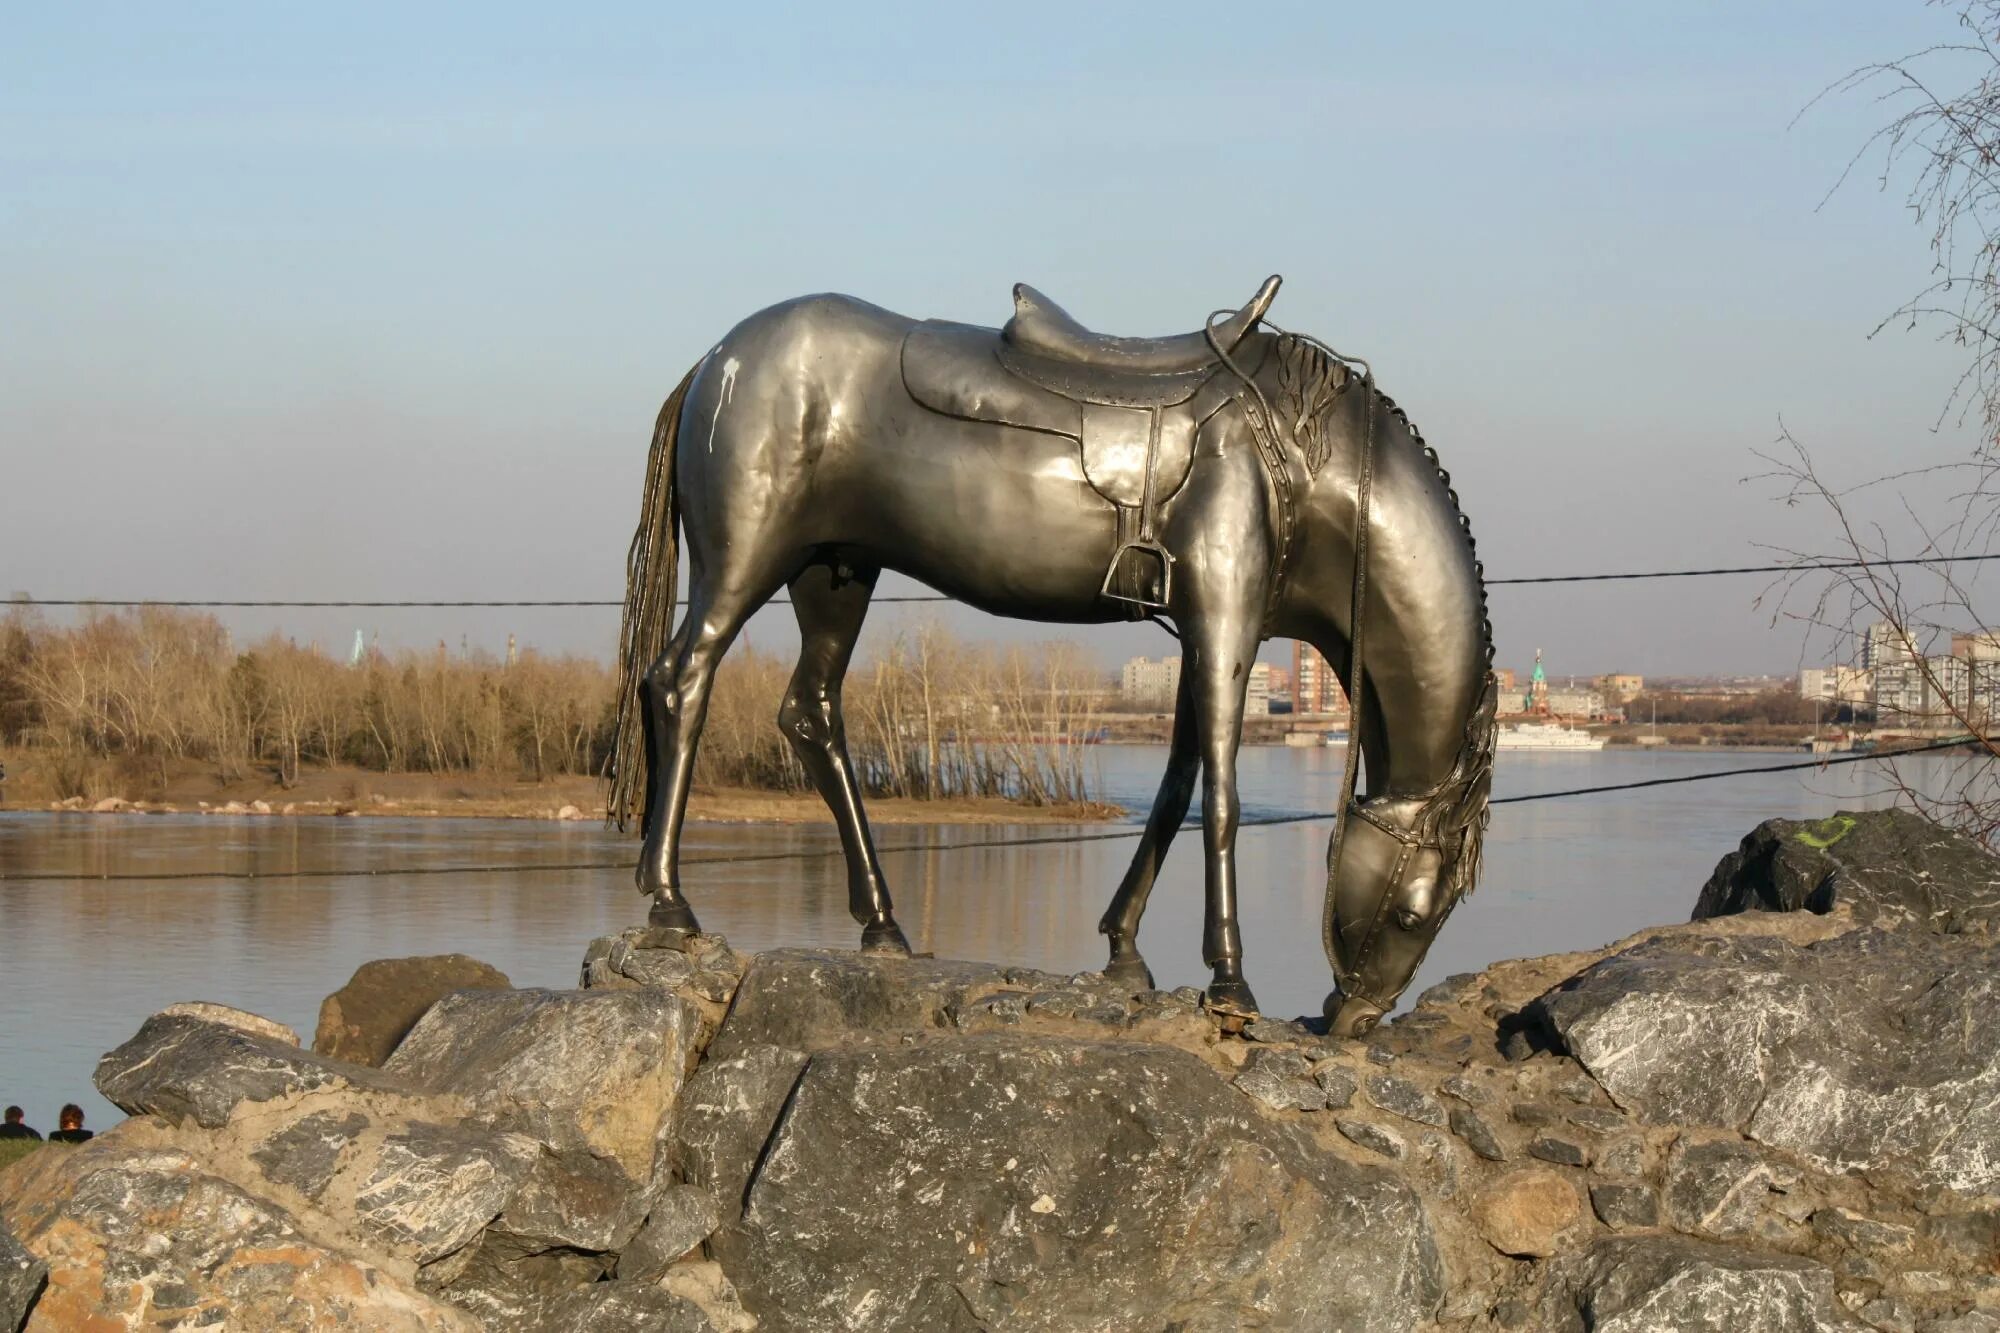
824, 440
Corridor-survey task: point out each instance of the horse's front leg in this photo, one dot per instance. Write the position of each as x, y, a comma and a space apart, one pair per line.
1170, 806
1224, 649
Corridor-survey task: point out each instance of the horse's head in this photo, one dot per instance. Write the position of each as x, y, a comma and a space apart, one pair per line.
1398, 868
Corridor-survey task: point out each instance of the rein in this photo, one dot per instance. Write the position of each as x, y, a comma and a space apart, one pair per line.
1364, 484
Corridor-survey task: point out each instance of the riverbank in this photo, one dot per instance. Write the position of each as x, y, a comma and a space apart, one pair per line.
342, 791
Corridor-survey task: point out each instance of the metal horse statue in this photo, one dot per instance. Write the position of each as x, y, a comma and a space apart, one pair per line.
1238, 481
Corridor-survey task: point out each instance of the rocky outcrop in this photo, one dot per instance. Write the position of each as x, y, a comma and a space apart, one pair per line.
1016, 1173
1872, 1050
364, 1020
1760, 1121
1891, 868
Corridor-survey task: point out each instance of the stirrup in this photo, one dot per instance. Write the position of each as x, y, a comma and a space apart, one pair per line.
1155, 571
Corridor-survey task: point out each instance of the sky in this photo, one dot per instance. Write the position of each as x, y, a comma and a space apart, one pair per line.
375, 301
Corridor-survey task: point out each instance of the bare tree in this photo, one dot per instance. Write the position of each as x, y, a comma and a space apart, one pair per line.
1940, 145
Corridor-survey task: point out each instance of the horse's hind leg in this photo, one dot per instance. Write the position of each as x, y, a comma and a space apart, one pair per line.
675, 693
830, 604
1170, 807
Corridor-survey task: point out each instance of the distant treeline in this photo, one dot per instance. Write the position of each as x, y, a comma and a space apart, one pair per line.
1771, 708
152, 688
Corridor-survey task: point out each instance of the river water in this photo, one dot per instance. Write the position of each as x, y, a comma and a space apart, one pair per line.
82, 962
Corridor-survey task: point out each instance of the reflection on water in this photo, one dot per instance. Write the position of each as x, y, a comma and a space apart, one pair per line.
82, 962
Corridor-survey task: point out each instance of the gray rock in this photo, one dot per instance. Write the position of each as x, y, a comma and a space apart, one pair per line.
1889, 1315
435, 1187
1972, 1321
1399, 1096
1973, 1236
1861, 1051
1279, 1080
1654, 1284
142, 1237
1062, 1184
1466, 1089
592, 1075
1596, 1120
577, 1199
182, 1068
1891, 867
681, 1219
727, 1113
1536, 1115
1624, 1206
1375, 1138
597, 1069
1623, 1157
1478, 1135
22, 1277
230, 1016
1338, 1085
1718, 1190
1561, 1151
305, 1154
515, 1285
630, 1307
363, 1020
810, 999
1865, 1233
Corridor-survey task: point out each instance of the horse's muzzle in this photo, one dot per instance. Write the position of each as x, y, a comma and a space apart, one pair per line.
1350, 1015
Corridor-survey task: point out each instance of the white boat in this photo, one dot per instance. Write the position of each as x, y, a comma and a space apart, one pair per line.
1547, 736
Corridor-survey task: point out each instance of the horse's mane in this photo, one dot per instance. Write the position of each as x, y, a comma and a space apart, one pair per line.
1310, 383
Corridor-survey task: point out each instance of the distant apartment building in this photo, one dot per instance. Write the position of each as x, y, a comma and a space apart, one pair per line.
1506, 680
1620, 685
1576, 702
1281, 683
1150, 684
1315, 687
1257, 693
1944, 693
1837, 684
1145, 683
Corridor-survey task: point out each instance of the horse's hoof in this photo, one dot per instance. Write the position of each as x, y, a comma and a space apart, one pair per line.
672, 919
1231, 999
885, 937
1130, 971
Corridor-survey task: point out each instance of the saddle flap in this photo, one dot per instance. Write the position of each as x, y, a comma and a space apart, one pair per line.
1115, 444
952, 369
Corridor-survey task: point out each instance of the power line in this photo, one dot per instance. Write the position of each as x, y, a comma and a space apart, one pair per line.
1809, 567
1025, 840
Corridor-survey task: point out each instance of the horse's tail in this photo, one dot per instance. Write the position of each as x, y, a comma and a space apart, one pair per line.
651, 579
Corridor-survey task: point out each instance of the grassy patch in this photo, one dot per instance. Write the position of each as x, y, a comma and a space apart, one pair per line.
13, 1150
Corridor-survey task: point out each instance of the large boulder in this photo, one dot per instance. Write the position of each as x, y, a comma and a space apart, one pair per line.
1890, 867
187, 1068
137, 1234
1002, 1181
592, 1075
1871, 1049
601, 1069
1660, 1283
363, 1020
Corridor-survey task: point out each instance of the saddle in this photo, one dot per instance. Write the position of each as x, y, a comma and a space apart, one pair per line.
1132, 405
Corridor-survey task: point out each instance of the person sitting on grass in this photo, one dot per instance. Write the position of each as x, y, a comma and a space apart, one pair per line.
14, 1129
72, 1130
